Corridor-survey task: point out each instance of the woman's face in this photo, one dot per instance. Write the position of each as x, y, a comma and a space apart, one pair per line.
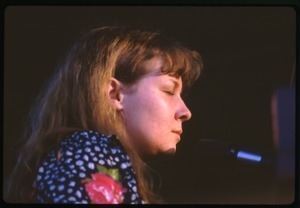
154, 112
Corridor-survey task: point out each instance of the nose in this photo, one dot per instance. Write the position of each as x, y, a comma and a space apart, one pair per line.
183, 113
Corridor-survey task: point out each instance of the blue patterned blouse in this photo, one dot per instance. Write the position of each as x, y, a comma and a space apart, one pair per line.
88, 167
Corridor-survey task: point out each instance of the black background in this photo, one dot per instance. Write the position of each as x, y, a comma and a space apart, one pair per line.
248, 53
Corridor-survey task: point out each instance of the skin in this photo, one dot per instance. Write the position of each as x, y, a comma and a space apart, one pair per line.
153, 112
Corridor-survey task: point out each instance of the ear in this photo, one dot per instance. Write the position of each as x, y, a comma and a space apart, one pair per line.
115, 94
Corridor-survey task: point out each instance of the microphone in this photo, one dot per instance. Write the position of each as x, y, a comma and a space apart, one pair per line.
220, 150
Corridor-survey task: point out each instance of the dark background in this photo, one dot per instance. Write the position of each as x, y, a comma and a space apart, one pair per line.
249, 52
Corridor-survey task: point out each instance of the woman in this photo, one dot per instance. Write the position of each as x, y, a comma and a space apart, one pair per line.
112, 106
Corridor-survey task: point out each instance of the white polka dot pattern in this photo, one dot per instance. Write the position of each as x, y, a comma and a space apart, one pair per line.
59, 180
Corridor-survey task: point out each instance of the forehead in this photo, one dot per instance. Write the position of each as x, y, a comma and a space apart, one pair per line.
155, 67
154, 64
156, 77
160, 66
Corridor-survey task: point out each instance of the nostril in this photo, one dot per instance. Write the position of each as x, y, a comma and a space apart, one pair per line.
186, 116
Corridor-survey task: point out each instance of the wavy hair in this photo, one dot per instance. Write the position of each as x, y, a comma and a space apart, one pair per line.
75, 98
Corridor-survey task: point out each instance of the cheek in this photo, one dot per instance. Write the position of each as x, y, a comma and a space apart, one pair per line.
150, 115
148, 119
157, 113
156, 122
152, 108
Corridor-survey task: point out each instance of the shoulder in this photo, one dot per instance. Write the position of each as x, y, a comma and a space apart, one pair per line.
92, 146
91, 141
79, 157
86, 138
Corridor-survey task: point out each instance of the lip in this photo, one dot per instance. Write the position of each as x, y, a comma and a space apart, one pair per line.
178, 132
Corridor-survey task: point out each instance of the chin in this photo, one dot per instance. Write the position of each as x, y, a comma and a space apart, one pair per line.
170, 151
167, 154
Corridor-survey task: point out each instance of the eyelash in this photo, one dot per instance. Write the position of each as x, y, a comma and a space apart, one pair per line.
170, 93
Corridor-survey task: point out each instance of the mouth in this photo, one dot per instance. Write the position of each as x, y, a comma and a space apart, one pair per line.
178, 132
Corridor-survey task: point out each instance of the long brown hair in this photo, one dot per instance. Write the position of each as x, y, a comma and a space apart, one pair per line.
76, 97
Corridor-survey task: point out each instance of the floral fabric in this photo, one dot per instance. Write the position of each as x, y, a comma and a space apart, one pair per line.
88, 167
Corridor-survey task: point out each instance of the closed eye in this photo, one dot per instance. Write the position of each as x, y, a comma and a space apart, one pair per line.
170, 93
